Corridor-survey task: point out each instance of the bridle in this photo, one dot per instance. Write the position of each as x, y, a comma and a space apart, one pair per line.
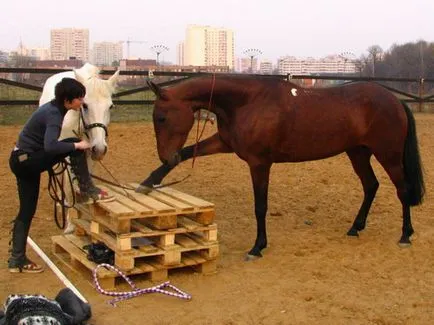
90, 126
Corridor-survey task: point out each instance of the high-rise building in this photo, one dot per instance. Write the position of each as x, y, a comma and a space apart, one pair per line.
246, 65
69, 43
209, 46
105, 53
180, 51
330, 64
266, 67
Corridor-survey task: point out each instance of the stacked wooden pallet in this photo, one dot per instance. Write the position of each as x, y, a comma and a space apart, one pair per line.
149, 234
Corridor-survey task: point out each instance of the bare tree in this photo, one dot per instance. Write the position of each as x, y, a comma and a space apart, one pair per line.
361, 64
375, 52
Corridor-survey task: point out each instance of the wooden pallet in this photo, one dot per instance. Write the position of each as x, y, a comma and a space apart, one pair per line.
159, 209
69, 249
165, 247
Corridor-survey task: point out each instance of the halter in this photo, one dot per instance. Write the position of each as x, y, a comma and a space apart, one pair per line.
87, 127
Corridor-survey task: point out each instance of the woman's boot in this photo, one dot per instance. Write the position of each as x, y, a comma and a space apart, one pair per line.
88, 190
18, 262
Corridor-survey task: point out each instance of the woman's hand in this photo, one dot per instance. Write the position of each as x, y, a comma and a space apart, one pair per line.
82, 145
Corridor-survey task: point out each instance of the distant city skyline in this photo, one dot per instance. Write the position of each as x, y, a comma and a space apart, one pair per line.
278, 28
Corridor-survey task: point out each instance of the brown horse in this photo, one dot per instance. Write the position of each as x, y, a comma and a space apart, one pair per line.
266, 121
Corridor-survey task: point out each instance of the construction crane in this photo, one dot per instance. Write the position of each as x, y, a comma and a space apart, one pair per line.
128, 42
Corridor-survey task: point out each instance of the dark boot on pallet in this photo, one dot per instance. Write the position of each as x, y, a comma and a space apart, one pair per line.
18, 262
88, 191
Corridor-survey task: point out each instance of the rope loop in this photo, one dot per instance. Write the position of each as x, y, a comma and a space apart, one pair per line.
124, 295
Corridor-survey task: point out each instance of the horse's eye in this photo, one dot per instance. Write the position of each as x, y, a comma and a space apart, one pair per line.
161, 119
85, 107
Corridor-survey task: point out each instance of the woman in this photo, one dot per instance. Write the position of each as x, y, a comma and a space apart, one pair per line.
37, 150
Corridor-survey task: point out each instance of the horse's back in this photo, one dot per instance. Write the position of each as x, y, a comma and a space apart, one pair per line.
50, 84
320, 123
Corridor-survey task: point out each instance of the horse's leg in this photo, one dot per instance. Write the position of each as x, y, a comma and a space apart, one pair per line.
260, 178
392, 163
208, 146
360, 159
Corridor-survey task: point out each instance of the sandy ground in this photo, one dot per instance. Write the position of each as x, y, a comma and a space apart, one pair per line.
310, 274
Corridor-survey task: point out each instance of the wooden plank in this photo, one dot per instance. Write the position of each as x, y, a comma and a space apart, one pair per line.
189, 224
114, 224
185, 241
79, 241
179, 205
147, 201
204, 218
196, 257
140, 227
185, 197
162, 222
120, 196
116, 209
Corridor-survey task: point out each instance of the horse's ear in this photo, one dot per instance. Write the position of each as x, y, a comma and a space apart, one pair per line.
114, 79
156, 90
78, 76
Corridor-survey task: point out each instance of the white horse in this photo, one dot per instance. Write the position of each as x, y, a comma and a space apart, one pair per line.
96, 109
95, 113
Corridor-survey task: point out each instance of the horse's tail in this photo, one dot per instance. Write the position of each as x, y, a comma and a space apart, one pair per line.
412, 163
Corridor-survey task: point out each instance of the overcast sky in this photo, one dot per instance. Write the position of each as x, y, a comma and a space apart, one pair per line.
276, 27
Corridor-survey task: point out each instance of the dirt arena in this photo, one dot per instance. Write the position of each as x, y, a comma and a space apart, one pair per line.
311, 272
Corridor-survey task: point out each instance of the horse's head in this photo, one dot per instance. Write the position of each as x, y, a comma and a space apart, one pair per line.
96, 109
173, 119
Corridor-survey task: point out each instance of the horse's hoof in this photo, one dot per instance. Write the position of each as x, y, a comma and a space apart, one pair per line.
353, 233
250, 257
404, 245
143, 189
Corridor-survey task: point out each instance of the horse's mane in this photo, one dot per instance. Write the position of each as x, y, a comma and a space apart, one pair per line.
93, 82
240, 84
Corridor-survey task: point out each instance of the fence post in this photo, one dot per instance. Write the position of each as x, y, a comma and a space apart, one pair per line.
421, 93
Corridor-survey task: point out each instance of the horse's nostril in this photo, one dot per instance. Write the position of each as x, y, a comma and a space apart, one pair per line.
93, 149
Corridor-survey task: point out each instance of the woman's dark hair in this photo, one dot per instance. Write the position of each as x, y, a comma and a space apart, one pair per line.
68, 89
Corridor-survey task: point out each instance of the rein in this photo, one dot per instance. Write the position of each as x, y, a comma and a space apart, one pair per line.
56, 186
199, 136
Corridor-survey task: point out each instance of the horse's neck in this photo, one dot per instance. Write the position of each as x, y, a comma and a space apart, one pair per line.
206, 92
72, 125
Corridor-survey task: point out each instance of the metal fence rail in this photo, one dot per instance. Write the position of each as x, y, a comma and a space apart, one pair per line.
178, 76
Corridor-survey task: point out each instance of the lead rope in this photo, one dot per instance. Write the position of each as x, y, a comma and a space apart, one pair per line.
124, 295
117, 183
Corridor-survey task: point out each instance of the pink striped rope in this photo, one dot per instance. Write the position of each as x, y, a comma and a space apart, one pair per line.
120, 296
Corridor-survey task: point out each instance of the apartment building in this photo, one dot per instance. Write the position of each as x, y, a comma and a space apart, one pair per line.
208, 46
246, 65
105, 53
266, 67
180, 54
35, 53
69, 43
332, 64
